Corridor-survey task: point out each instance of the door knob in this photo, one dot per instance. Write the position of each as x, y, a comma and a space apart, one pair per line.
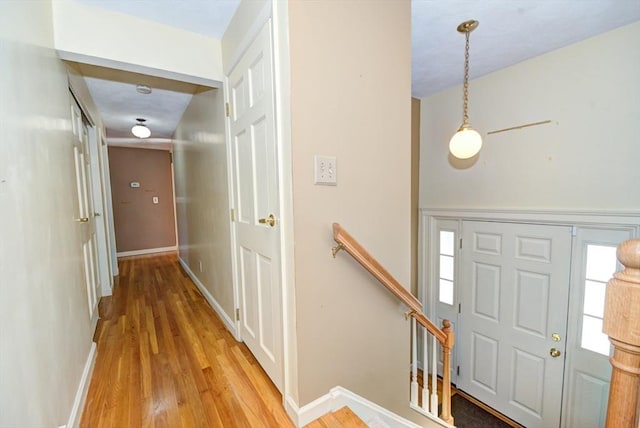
82, 219
555, 353
271, 220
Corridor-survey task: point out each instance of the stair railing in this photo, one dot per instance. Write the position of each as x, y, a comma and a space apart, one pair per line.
426, 400
622, 325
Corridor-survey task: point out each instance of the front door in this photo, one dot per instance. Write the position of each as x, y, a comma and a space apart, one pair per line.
513, 319
256, 203
85, 217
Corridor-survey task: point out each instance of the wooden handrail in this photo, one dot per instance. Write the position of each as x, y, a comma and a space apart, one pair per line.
347, 243
362, 256
445, 336
431, 327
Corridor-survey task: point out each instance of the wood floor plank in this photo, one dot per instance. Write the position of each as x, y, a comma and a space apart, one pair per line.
166, 360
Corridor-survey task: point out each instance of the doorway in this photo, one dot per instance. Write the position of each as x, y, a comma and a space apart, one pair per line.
485, 271
513, 317
86, 213
255, 201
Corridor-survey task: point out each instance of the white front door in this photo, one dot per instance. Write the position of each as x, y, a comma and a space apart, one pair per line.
513, 319
85, 213
256, 204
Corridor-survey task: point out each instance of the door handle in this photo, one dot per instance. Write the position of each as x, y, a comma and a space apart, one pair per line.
271, 220
555, 353
82, 219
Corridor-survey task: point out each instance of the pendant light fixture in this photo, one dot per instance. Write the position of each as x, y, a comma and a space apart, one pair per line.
140, 130
467, 142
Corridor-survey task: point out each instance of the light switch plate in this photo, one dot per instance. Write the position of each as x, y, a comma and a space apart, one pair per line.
325, 170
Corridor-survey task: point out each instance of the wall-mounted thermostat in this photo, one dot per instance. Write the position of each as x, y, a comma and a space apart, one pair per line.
134, 184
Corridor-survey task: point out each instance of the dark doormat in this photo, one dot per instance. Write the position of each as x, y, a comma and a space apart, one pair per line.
468, 415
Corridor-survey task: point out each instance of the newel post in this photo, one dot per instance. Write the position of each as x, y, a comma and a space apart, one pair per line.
445, 413
622, 325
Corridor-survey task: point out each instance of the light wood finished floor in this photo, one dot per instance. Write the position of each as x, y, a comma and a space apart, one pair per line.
343, 417
166, 360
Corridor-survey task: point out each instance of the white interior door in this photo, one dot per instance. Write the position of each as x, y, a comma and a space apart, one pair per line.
85, 216
513, 320
100, 227
254, 171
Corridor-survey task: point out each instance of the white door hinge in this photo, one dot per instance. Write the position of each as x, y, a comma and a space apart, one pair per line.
233, 215
227, 107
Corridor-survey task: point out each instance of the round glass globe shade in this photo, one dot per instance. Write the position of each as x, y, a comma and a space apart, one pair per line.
140, 131
465, 143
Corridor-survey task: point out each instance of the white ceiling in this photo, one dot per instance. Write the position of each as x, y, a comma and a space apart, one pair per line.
510, 31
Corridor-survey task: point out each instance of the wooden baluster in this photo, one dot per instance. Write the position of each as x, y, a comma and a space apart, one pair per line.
434, 376
414, 363
425, 370
622, 325
445, 414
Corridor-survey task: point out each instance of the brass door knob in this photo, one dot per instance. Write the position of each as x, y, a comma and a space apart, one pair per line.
555, 353
271, 220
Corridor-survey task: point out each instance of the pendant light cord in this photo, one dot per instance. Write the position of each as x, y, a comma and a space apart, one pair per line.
465, 90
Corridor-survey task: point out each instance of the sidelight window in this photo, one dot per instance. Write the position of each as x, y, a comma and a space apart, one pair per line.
600, 266
445, 267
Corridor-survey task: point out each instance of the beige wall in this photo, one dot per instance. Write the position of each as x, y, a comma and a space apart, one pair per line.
139, 223
45, 332
350, 98
586, 159
202, 196
415, 187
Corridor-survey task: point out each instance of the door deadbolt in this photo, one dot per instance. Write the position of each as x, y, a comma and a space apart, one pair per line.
555, 353
555, 337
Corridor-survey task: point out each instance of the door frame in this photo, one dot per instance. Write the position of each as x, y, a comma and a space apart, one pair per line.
427, 254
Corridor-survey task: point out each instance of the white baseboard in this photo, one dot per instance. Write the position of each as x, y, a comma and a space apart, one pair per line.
146, 251
83, 388
339, 397
291, 407
229, 323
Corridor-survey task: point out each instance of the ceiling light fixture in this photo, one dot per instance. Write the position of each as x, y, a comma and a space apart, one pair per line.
466, 142
143, 89
140, 130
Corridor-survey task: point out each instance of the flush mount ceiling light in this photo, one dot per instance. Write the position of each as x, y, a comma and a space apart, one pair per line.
140, 130
466, 142
143, 89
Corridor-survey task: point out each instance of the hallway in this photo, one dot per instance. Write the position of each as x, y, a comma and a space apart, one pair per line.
166, 360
